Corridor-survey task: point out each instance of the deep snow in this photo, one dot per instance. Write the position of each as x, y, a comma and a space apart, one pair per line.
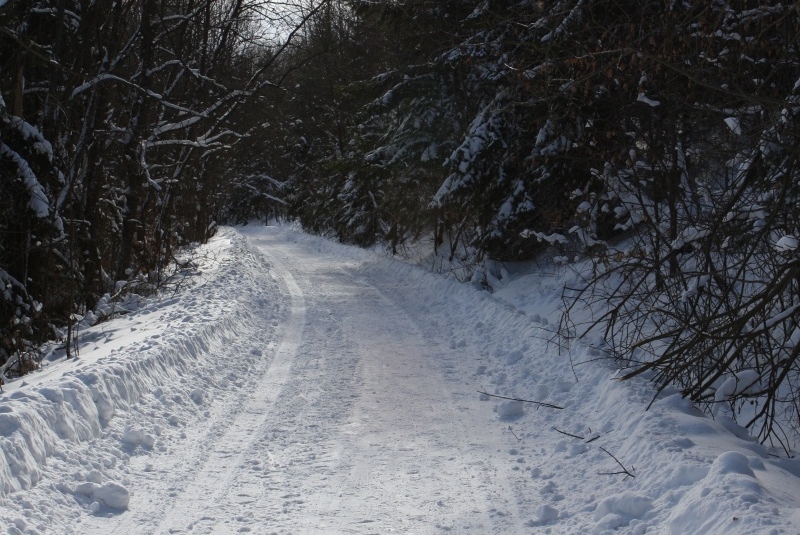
301, 386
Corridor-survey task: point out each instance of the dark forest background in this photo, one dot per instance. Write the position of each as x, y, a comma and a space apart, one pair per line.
657, 139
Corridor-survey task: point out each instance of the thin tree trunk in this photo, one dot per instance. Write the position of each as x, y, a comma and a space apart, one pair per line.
140, 119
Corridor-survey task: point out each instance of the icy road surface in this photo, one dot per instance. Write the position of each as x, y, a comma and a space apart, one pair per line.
305, 387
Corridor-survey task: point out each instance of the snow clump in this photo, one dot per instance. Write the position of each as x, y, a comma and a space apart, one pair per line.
787, 243
134, 436
510, 409
111, 494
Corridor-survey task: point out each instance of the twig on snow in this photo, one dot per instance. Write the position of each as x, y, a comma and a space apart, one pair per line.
539, 403
576, 436
623, 471
557, 430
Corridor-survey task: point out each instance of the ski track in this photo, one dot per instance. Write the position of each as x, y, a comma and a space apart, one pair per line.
229, 461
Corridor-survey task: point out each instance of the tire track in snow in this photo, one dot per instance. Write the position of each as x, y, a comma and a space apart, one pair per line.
500, 505
195, 509
410, 444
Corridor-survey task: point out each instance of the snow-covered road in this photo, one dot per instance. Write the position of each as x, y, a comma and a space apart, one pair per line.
352, 427
305, 387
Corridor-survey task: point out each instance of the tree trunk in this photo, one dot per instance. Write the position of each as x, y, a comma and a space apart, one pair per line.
140, 119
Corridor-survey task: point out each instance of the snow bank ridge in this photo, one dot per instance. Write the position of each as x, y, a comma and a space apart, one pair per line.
41, 420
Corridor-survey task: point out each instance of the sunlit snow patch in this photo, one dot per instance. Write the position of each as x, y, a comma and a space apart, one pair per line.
733, 124
787, 243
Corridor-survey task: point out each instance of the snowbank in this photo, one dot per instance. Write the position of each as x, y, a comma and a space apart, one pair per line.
174, 361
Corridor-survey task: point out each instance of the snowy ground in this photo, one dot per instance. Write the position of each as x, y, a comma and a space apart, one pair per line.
300, 386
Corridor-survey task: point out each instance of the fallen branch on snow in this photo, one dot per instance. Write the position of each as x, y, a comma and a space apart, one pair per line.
576, 436
539, 403
623, 471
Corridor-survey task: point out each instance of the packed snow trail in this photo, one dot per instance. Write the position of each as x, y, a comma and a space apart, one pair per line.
300, 386
338, 443
361, 434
